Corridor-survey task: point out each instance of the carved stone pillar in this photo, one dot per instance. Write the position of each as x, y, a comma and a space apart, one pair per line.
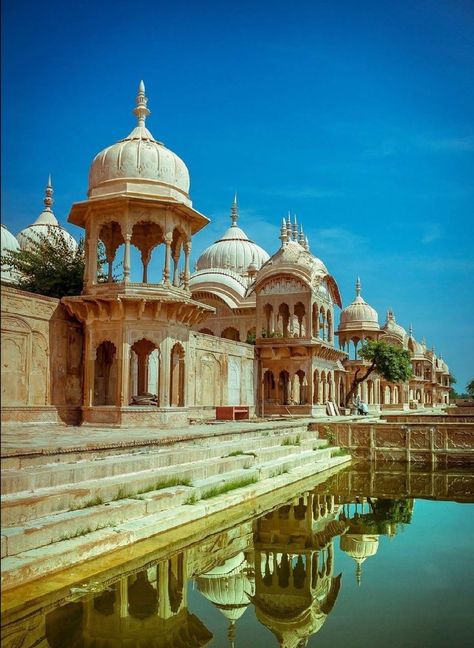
187, 251
126, 259
166, 269
175, 270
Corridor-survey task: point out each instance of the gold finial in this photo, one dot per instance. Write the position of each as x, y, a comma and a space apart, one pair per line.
141, 111
358, 287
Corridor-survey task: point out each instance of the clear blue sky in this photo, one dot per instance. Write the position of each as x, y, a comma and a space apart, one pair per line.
357, 116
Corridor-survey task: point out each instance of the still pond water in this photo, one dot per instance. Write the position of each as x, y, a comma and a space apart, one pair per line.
369, 558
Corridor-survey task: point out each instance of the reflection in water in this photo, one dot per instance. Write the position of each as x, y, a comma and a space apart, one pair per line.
282, 565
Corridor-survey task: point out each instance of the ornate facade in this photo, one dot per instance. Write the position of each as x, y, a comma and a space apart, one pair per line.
245, 328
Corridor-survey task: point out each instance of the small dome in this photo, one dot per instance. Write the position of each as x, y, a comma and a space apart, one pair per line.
233, 251
8, 244
46, 220
139, 164
392, 328
359, 314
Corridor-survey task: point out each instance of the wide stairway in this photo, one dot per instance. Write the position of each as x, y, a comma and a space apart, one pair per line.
64, 507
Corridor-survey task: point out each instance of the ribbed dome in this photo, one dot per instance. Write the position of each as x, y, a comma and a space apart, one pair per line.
139, 164
46, 220
8, 244
233, 251
392, 328
228, 587
359, 314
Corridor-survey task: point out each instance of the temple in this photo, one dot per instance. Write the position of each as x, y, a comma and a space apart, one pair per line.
149, 342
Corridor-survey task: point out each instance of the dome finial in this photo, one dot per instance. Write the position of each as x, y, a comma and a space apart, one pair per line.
410, 330
141, 111
301, 236
306, 244
48, 195
283, 233
234, 212
359, 573
358, 287
295, 229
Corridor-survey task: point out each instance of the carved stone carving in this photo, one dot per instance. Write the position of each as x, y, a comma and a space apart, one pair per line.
283, 286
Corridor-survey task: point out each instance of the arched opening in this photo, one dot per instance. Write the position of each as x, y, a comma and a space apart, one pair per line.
231, 333
268, 386
142, 597
144, 371
299, 395
283, 387
177, 376
283, 319
110, 235
322, 324
105, 374
387, 395
300, 313
268, 318
395, 395
323, 388
146, 236
104, 602
207, 331
341, 393
251, 335
370, 392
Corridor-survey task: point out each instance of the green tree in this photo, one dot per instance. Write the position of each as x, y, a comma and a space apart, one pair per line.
49, 267
388, 360
470, 388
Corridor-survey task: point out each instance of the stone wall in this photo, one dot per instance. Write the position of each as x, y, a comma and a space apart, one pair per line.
41, 355
442, 444
221, 373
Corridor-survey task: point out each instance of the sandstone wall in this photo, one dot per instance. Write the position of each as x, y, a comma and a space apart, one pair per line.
41, 356
221, 372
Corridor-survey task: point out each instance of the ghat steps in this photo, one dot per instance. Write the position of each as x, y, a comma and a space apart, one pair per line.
62, 507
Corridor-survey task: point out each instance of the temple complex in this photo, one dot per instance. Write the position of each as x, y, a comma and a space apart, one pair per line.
247, 328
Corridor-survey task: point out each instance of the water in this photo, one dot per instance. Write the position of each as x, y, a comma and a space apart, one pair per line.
361, 560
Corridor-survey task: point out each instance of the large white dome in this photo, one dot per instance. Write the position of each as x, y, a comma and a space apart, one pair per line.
359, 314
43, 224
8, 244
233, 251
139, 164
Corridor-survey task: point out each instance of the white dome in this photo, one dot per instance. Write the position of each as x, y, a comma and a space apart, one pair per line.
8, 244
359, 314
234, 251
392, 328
42, 225
140, 164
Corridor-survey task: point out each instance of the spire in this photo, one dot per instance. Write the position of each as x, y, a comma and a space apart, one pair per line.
306, 244
295, 229
234, 212
283, 233
359, 573
358, 287
141, 111
48, 195
301, 236
410, 330
288, 227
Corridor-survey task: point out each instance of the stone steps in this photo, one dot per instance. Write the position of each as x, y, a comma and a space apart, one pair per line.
21, 506
52, 528
51, 475
31, 563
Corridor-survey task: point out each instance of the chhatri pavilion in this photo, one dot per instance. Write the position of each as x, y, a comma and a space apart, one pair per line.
248, 327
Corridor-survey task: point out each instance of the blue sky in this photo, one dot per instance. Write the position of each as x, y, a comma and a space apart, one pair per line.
356, 116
